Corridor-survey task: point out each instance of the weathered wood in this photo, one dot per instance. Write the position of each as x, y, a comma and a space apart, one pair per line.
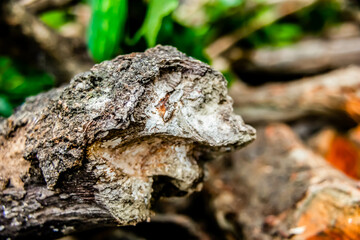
332, 94
276, 188
309, 56
121, 135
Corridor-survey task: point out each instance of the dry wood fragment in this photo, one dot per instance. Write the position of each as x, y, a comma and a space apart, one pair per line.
309, 56
276, 188
100, 150
332, 94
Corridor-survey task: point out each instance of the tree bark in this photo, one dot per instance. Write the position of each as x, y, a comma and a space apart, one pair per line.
101, 150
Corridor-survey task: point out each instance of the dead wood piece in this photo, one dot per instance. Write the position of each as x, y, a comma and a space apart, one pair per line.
306, 57
332, 94
276, 188
100, 150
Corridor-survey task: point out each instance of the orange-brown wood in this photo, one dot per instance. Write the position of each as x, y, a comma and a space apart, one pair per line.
330, 216
344, 155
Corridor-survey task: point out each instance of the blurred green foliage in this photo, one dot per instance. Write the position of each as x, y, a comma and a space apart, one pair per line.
188, 40
123, 26
106, 28
317, 17
311, 20
160, 26
18, 81
157, 10
277, 34
55, 18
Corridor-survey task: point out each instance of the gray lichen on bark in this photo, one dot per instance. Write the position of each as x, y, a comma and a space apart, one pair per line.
129, 122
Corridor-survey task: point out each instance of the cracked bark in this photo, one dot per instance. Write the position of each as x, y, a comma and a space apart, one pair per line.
101, 150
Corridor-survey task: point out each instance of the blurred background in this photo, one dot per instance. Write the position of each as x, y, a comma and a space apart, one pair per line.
45, 42
288, 61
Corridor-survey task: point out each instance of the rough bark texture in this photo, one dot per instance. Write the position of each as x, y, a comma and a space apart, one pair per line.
100, 150
276, 188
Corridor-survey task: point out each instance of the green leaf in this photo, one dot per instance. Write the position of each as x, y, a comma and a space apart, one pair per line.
230, 3
5, 107
18, 81
282, 34
158, 9
106, 28
54, 19
320, 15
230, 78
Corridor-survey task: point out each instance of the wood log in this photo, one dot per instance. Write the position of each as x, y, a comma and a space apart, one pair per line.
333, 94
276, 188
101, 150
309, 56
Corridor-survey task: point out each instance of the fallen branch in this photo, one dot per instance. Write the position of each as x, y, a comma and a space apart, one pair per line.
306, 57
332, 94
276, 188
101, 150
